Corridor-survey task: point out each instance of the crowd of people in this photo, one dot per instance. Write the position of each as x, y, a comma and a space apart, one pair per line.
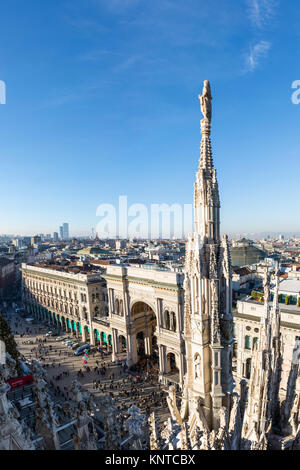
138, 385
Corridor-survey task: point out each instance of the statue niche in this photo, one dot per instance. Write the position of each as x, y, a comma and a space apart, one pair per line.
197, 366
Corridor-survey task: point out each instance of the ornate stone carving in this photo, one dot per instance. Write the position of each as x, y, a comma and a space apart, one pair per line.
205, 101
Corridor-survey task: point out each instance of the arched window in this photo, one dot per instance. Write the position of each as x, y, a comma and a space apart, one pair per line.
167, 320
247, 342
117, 306
121, 307
173, 321
248, 368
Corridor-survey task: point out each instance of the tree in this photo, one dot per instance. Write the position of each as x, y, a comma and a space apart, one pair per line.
9, 340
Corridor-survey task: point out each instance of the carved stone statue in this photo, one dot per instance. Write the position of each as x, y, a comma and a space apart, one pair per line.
205, 101
197, 365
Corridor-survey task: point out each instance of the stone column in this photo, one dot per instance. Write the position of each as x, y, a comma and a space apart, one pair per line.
114, 344
147, 346
162, 359
92, 336
131, 349
83, 332
181, 369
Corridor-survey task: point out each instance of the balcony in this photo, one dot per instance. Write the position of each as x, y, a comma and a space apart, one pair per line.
101, 320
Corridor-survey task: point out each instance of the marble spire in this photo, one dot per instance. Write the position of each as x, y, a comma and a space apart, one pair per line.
206, 192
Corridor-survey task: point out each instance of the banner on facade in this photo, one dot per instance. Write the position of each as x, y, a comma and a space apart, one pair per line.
20, 381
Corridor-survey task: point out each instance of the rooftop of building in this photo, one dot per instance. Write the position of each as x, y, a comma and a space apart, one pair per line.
5, 261
150, 274
290, 285
70, 268
241, 271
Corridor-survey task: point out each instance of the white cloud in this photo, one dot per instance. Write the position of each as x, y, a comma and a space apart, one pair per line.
261, 12
257, 52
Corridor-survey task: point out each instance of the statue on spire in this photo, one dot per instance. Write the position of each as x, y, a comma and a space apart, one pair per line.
205, 101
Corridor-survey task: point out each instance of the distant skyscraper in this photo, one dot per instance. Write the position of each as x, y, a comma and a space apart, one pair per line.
36, 240
61, 232
66, 231
55, 236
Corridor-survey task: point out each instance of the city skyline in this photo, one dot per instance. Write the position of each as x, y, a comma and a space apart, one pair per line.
101, 112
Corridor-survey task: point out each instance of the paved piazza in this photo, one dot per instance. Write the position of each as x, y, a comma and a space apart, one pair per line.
62, 367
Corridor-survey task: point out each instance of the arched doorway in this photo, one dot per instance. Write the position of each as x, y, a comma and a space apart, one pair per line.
74, 329
122, 344
109, 342
144, 321
103, 339
69, 327
171, 364
97, 337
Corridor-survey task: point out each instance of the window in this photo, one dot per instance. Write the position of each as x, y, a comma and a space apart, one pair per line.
255, 342
247, 342
247, 369
173, 321
216, 378
167, 320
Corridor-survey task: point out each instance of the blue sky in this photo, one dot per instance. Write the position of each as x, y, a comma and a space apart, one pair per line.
102, 101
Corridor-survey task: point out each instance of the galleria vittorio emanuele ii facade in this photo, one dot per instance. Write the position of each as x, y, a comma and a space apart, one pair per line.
186, 320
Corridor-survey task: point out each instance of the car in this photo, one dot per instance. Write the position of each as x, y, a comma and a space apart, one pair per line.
81, 349
75, 345
50, 333
102, 351
69, 345
59, 338
66, 340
